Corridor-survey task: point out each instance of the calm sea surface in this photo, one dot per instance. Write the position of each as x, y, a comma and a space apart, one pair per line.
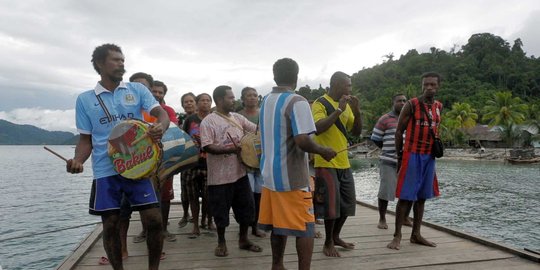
43, 210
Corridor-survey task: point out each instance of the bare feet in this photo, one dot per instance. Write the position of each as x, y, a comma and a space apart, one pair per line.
258, 233
221, 250
418, 239
318, 234
382, 224
183, 222
330, 250
249, 246
395, 244
195, 233
407, 222
211, 226
343, 244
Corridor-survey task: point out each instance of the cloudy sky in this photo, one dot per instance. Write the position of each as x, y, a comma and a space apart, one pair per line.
46, 46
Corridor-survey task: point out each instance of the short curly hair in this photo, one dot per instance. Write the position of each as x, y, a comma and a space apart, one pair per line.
100, 54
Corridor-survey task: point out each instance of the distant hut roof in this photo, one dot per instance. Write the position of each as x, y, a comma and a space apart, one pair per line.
484, 133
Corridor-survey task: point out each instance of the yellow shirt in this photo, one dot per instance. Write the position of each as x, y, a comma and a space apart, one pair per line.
332, 137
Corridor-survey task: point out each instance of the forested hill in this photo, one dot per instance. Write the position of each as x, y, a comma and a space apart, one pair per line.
11, 133
486, 81
472, 74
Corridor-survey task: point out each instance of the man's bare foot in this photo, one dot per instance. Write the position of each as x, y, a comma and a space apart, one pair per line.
407, 222
418, 239
382, 224
330, 250
258, 233
211, 226
318, 234
221, 250
183, 222
343, 244
195, 233
395, 244
249, 246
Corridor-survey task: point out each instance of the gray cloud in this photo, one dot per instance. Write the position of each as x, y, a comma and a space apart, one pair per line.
45, 46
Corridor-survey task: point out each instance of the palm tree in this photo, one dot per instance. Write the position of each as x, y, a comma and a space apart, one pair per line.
462, 116
504, 110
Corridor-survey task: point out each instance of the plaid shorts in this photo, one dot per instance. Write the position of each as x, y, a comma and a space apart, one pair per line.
196, 182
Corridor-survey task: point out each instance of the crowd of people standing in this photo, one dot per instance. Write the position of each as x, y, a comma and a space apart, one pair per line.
277, 197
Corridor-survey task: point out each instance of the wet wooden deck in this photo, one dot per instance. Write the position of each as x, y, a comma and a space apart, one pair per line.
455, 250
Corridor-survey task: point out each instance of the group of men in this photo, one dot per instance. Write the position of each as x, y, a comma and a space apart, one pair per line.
278, 197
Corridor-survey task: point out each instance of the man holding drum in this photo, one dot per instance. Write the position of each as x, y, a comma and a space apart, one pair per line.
228, 184
97, 112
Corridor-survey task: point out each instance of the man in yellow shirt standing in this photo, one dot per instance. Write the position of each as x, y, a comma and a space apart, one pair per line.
335, 114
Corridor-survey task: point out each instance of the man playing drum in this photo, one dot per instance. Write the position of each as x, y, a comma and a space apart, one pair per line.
228, 185
97, 112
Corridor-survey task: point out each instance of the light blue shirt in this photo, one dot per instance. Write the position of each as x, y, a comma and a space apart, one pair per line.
127, 101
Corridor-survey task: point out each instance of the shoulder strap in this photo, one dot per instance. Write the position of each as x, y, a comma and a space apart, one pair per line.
329, 110
102, 104
230, 120
423, 108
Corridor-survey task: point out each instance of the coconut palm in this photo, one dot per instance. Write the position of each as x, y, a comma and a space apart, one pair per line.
504, 110
463, 114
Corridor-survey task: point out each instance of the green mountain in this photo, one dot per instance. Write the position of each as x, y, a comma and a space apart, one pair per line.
13, 134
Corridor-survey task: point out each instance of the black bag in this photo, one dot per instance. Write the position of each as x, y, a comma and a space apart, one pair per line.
437, 149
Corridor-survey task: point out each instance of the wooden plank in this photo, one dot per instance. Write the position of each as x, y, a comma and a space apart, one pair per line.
80, 251
452, 252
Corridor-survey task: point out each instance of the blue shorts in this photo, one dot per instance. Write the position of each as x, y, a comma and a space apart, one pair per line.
107, 192
417, 179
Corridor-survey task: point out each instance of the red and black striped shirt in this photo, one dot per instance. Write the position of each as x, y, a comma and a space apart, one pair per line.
417, 136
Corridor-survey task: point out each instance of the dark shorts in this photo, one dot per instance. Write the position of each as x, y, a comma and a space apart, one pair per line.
196, 180
335, 195
167, 191
183, 188
107, 192
237, 195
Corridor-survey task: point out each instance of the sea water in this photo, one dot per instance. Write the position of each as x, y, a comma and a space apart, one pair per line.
44, 210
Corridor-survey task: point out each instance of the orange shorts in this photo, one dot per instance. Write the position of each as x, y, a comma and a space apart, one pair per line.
287, 213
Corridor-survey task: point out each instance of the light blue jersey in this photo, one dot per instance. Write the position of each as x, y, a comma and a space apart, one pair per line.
127, 101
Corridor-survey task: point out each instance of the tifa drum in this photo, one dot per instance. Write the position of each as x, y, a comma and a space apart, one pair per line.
251, 149
133, 153
179, 152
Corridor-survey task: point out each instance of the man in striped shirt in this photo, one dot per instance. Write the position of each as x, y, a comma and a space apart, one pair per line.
383, 137
286, 202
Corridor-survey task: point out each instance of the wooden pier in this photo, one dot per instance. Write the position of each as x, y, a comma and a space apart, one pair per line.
455, 250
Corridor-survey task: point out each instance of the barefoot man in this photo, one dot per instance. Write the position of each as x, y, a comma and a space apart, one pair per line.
335, 114
383, 136
97, 112
286, 202
417, 180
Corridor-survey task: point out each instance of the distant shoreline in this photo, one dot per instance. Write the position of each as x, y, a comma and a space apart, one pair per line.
490, 154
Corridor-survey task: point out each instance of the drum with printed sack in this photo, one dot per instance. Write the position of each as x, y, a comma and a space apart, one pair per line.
251, 149
133, 153
179, 152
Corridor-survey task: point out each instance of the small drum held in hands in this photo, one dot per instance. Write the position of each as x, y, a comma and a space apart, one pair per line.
251, 149
179, 152
133, 153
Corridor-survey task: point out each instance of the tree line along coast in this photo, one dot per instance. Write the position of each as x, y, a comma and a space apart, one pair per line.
490, 92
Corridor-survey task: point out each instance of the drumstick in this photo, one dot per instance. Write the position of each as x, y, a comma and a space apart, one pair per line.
230, 138
352, 146
54, 153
